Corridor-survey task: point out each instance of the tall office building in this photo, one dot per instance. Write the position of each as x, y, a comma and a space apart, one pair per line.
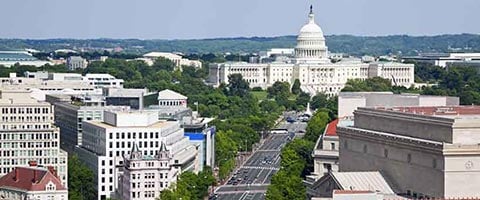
27, 134
105, 143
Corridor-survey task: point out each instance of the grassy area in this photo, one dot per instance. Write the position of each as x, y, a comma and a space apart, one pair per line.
260, 95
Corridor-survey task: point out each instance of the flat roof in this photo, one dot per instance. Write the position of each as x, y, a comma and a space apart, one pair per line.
158, 124
441, 111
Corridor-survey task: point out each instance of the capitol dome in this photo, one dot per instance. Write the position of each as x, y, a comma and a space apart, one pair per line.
311, 46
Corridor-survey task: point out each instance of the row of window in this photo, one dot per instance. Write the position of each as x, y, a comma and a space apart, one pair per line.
25, 111
16, 145
133, 135
28, 136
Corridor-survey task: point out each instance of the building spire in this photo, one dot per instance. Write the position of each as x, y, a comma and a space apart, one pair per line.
135, 153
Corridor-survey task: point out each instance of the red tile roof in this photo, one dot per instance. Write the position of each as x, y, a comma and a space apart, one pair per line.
30, 179
331, 128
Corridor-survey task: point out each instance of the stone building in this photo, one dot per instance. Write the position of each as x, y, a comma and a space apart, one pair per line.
422, 151
144, 176
311, 65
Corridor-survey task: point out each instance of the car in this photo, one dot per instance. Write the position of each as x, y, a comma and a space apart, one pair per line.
291, 119
235, 183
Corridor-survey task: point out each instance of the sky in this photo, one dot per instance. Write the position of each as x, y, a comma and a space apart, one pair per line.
198, 19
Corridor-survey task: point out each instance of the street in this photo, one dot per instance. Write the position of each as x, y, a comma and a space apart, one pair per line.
250, 181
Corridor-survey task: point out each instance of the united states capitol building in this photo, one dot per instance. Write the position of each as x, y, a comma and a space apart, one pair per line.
310, 63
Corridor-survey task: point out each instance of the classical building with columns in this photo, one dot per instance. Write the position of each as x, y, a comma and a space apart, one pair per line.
311, 65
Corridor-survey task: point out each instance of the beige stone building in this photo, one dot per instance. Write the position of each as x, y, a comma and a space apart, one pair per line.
421, 151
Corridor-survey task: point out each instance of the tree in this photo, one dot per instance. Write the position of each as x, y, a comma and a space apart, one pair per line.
302, 99
80, 180
279, 89
163, 63
296, 87
320, 100
368, 85
237, 86
316, 125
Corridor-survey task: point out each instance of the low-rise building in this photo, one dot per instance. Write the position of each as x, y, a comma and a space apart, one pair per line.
9, 58
445, 59
177, 60
103, 80
32, 183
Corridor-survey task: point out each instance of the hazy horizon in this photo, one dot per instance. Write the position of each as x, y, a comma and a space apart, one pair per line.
217, 19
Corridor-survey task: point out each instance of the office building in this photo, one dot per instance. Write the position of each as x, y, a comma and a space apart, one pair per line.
105, 143
40, 88
71, 111
28, 134
424, 152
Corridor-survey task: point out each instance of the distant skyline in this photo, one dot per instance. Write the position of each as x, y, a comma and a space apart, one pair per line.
199, 19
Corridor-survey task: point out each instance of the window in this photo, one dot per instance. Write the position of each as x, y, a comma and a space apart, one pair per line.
365, 148
385, 153
434, 163
333, 145
409, 158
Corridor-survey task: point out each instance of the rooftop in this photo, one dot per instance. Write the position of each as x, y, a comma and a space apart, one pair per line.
170, 95
159, 124
366, 181
30, 179
16, 56
441, 111
331, 129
